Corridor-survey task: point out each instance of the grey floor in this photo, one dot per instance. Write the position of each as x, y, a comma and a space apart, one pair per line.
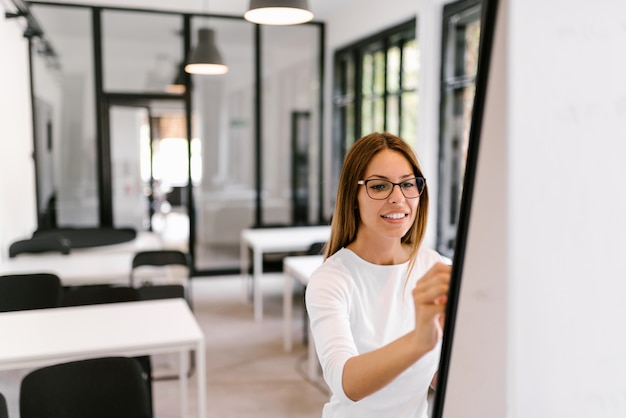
248, 372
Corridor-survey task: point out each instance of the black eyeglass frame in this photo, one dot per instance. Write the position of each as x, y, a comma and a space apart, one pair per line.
417, 179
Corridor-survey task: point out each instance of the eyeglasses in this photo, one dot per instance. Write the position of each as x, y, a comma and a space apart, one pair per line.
379, 189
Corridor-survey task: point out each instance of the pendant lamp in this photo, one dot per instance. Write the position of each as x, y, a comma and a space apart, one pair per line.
178, 84
278, 12
205, 58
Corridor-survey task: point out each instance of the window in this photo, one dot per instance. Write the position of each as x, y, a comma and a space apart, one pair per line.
376, 89
460, 39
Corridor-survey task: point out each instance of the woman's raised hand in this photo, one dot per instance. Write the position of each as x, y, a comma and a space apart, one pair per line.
430, 296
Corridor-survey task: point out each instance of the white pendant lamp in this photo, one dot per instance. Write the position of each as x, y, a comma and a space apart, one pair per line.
205, 58
278, 12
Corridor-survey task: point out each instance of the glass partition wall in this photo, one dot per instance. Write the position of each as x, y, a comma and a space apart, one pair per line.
65, 143
290, 111
120, 144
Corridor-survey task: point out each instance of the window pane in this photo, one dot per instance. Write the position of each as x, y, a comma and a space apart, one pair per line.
368, 74
393, 120
72, 188
459, 63
367, 116
410, 65
410, 102
379, 115
141, 60
290, 111
350, 77
472, 37
393, 69
379, 72
222, 132
350, 124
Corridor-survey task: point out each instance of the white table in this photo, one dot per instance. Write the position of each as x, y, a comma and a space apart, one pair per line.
274, 240
83, 266
38, 338
298, 268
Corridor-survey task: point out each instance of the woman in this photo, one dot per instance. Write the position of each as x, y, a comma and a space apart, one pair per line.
377, 302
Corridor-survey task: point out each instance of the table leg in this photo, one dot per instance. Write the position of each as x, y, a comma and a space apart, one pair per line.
182, 382
200, 371
313, 366
287, 312
244, 264
257, 272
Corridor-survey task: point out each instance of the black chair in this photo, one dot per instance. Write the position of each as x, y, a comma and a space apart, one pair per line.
155, 267
317, 248
41, 244
89, 237
167, 291
20, 292
95, 388
151, 275
101, 294
164, 291
4, 410
98, 294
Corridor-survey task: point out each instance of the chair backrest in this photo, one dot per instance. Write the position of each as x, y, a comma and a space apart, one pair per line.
98, 294
160, 258
95, 388
42, 244
90, 236
4, 410
317, 248
165, 291
20, 292
160, 267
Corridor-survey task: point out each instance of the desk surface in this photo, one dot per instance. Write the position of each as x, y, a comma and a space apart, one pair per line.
301, 267
46, 336
275, 240
43, 337
297, 238
104, 264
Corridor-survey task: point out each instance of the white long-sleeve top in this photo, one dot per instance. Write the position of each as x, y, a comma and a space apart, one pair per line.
356, 307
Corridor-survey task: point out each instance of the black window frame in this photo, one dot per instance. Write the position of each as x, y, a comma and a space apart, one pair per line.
348, 98
453, 128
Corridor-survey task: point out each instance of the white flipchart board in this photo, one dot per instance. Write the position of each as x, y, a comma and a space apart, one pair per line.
540, 320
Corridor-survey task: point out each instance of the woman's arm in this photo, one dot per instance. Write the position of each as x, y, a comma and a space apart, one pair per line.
367, 373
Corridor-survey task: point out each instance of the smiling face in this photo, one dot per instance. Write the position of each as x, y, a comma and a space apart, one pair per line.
392, 217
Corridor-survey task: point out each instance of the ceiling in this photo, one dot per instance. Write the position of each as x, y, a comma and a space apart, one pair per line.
154, 27
151, 42
320, 8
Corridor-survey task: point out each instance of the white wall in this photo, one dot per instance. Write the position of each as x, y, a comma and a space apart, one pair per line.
17, 175
540, 328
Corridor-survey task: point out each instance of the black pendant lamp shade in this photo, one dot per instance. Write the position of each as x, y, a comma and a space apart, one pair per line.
278, 12
178, 84
205, 58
